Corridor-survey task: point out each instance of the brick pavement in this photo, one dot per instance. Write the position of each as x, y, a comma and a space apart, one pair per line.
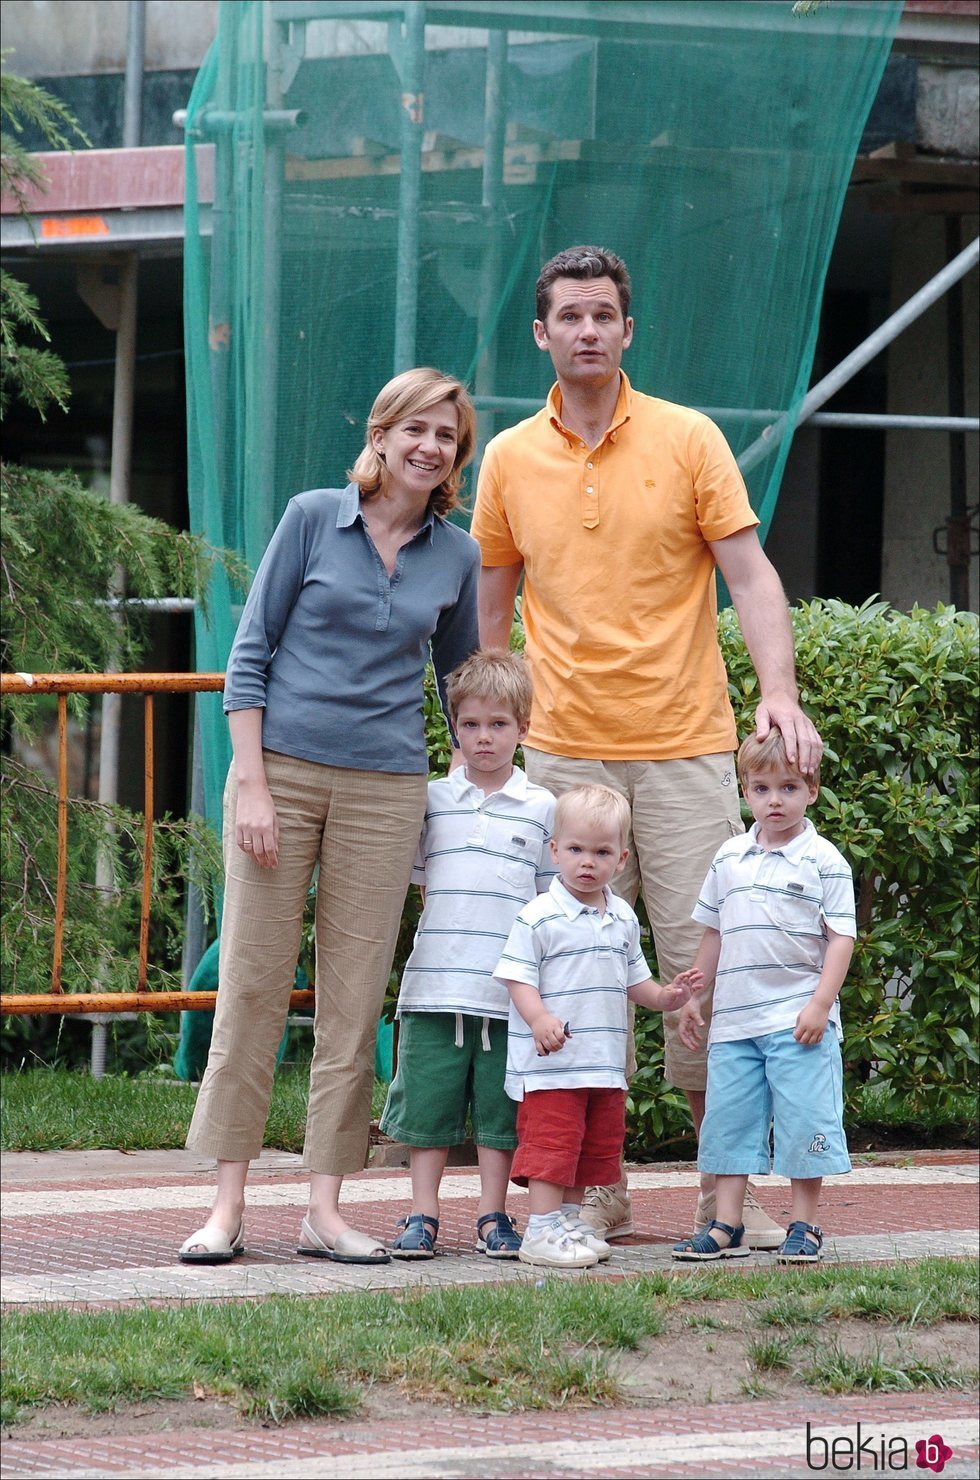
101, 1229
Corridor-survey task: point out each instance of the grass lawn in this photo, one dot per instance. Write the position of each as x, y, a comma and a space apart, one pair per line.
551, 1345
68, 1110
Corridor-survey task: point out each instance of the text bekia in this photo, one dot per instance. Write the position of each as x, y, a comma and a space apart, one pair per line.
872, 1452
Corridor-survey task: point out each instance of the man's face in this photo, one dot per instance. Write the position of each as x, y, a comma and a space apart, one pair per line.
585, 332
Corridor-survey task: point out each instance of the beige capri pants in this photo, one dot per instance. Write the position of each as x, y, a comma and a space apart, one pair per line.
362, 828
682, 812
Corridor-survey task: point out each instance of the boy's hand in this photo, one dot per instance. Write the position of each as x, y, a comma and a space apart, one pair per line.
684, 986
690, 1025
549, 1034
811, 1024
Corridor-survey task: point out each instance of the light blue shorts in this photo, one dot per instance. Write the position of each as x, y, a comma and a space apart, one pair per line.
755, 1083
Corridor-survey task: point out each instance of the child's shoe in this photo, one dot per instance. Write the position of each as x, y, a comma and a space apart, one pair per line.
703, 1247
589, 1236
557, 1246
760, 1230
497, 1237
417, 1239
801, 1245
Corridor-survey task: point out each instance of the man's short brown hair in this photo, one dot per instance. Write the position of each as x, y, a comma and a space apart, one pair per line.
495, 675
583, 263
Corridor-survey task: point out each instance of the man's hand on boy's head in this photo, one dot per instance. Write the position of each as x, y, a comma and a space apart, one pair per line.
802, 743
811, 1024
690, 1025
549, 1034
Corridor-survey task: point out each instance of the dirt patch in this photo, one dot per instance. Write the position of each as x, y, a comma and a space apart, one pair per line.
702, 1356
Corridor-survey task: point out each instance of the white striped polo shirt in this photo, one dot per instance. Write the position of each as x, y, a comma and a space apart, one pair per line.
771, 908
480, 858
582, 964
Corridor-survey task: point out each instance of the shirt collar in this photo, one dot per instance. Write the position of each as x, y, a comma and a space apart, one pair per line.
621, 415
793, 850
349, 512
460, 786
571, 907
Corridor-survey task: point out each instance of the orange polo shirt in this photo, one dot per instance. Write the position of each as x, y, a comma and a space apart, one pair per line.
619, 584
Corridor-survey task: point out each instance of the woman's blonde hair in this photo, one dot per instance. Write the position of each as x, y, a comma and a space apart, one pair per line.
407, 395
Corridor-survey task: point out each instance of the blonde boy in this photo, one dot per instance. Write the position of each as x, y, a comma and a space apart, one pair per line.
572, 960
482, 855
778, 904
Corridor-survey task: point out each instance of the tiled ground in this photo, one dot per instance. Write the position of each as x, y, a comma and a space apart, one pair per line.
100, 1229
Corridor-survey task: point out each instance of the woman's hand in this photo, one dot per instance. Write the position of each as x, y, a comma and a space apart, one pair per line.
256, 823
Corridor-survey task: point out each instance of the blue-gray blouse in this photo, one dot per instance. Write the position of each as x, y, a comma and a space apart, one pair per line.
334, 649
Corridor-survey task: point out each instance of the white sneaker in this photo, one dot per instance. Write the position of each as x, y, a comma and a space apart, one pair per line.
761, 1232
608, 1210
558, 1246
588, 1235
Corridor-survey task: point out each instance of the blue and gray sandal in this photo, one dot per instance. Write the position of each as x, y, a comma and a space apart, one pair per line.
497, 1237
416, 1241
801, 1245
702, 1246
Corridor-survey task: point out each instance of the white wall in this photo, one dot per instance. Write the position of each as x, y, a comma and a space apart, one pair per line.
60, 38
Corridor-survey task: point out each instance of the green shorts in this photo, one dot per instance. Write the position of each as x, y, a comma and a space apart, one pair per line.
436, 1083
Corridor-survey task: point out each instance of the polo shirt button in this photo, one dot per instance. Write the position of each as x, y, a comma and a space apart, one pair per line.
590, 465
590, 490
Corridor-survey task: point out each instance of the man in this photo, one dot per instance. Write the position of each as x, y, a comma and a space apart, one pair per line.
616, 507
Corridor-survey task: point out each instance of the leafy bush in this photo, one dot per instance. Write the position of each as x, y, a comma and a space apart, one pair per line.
895, 697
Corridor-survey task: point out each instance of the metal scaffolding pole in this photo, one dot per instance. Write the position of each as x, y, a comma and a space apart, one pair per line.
406, 42
819, 394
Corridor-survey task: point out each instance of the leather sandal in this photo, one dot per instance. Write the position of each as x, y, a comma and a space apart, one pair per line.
415, 1240
801, 1245
702, 1246
497, 1237
212, 1246
349, 1247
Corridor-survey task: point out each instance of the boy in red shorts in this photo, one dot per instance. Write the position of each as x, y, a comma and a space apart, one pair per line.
571, 962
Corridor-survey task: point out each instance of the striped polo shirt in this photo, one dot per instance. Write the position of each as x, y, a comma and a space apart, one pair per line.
772, 908
480, 858
582, 963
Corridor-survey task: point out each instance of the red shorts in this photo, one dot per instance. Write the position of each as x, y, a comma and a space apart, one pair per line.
570, 1137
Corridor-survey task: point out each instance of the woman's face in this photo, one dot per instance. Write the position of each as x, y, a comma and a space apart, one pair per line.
420, 451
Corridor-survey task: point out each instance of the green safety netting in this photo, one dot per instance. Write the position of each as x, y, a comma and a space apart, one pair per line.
389, 178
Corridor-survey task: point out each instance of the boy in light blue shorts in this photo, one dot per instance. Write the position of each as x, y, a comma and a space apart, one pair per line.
484, 852
778, 904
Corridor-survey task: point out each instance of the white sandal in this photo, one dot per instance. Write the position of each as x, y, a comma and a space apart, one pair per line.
212, 1246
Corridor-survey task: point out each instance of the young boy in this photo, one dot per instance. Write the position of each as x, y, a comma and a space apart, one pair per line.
779, 906
482, 855
572, 959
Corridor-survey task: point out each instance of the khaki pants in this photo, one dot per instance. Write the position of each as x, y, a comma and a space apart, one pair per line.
362, 828
682, 812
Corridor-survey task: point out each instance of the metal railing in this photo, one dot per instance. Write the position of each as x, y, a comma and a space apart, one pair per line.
56, 1000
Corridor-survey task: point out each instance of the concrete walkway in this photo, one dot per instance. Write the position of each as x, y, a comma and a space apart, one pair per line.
101, 1229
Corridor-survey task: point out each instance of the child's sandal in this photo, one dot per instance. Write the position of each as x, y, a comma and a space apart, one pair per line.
497, 1237
702, 1246
801, 1245
416, 1241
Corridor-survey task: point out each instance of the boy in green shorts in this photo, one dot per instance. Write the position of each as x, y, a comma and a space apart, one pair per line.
484, 852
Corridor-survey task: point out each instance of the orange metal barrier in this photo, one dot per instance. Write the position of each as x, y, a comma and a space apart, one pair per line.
57, 1000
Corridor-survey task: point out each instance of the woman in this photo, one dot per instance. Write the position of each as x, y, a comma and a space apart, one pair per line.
324, 700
